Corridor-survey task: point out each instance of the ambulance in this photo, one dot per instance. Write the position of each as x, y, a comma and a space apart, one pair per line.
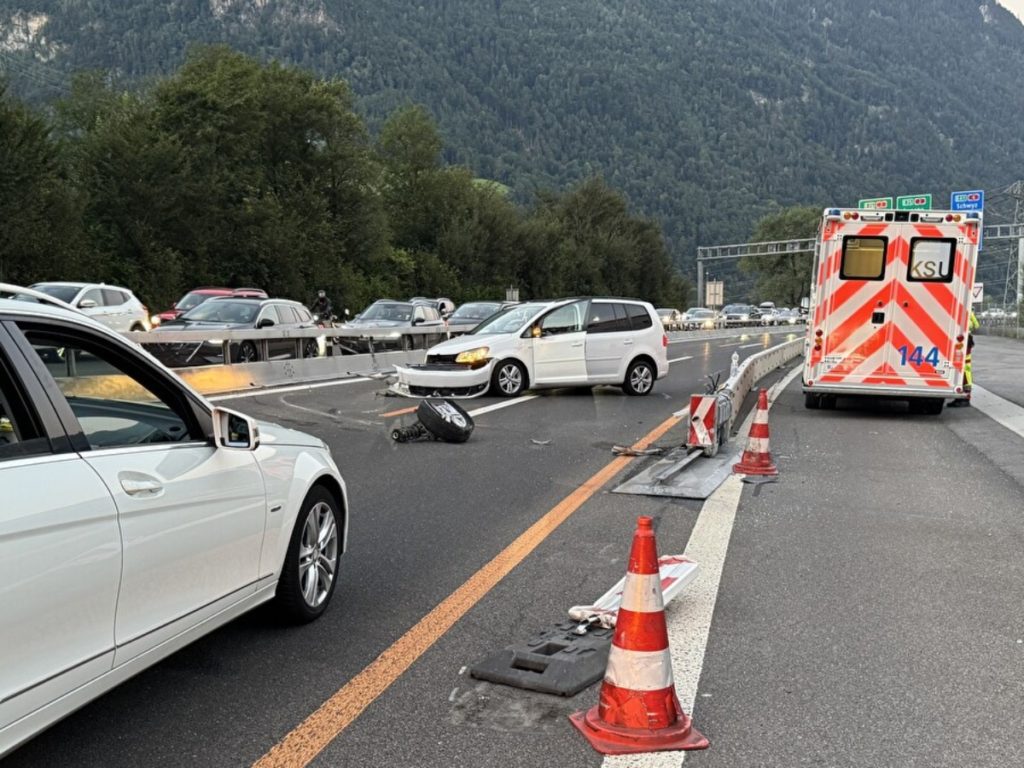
890, 302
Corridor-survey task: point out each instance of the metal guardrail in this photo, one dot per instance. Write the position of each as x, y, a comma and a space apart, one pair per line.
404, 338
758, 366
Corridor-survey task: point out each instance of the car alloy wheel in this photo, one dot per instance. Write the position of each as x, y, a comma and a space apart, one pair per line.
247, 353
318, 554
509, 379
639, 378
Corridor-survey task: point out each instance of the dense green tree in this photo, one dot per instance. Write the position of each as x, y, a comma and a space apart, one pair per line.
39, 234
786, 277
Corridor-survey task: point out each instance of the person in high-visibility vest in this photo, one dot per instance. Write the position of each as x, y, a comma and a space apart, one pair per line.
972, 326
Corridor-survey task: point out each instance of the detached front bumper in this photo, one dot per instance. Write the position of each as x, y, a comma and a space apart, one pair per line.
442, 380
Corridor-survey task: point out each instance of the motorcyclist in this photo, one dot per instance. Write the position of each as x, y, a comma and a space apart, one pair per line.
322, 307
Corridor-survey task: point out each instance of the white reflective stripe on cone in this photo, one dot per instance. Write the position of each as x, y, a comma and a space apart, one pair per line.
757, 444
639, 670
761, 417
642, 593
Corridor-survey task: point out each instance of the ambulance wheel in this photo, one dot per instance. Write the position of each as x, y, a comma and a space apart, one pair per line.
828, 402
811, 401
932, 406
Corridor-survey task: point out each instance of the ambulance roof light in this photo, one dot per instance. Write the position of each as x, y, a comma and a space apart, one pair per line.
833, 211
972, 215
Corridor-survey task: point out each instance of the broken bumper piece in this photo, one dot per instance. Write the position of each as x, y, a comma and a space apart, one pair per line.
441, 380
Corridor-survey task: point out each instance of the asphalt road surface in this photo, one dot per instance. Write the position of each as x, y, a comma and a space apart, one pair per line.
868, 611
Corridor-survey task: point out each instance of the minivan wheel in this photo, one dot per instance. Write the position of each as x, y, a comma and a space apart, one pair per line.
639, 378
508, 379
308, 577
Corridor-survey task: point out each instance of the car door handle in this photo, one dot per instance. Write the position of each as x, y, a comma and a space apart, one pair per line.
627, 343
141, 487
577, 344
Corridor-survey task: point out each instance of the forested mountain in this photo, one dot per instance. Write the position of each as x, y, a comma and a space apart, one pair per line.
706, 113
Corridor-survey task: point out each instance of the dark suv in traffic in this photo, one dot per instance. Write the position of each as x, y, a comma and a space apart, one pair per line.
237, 314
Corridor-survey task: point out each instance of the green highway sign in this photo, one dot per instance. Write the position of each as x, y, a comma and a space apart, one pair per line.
876, 203
913, 202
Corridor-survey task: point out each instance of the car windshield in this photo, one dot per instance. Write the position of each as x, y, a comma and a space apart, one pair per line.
221, 311
477, 310
701, 313
388, 311
735, 308
509, 320
191, 301
65, 293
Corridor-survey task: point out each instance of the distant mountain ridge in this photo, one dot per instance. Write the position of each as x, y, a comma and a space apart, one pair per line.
707, 114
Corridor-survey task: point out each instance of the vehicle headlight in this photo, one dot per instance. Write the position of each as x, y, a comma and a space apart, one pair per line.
473, 357
154, 320
218, 342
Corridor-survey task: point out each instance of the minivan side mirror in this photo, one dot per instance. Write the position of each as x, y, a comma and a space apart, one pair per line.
417, 321
536, 332
86, 304
265, 322
235, 430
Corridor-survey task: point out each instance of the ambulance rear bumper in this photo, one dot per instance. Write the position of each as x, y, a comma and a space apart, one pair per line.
869, 390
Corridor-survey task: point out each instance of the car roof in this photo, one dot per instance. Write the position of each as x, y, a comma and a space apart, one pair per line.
71, 284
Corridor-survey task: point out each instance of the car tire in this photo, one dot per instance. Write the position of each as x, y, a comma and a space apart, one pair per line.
309, 575
247, 353
310, 348
812, 402
640, 378
509, 379
445, 419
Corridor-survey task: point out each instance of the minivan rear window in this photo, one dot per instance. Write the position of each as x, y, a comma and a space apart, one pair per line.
863, 258
606, 317
639, 317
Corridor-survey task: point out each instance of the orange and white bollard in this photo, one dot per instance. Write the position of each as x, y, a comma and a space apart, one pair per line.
638, 710
757, 458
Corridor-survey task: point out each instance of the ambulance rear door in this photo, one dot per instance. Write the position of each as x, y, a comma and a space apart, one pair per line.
933, 267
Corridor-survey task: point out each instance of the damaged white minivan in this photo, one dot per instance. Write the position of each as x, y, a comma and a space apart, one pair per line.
565, 343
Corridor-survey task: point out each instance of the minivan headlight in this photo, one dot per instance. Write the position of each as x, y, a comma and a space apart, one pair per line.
474, 357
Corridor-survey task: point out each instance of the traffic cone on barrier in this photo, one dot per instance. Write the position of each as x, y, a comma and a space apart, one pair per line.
757, 458
638, 710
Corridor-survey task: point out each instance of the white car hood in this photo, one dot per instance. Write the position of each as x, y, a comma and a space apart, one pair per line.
275, 434
464, 343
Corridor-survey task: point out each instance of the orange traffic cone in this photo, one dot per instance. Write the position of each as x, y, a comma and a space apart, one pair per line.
638, 710
757, 458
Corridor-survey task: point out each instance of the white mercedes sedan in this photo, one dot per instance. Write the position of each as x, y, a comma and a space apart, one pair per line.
135, 516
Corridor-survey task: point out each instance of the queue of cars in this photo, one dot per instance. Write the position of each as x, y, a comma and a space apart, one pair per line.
731, 315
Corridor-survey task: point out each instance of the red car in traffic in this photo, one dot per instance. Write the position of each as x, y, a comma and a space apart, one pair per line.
197, 296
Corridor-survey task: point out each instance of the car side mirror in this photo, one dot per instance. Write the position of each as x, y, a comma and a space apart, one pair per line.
536, 332
266, 322
86, 304
235, 430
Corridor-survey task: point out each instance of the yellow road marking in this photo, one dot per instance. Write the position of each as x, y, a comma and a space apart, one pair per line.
299, 747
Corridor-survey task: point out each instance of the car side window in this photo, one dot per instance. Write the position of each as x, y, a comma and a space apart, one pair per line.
433, 313
288, 315
607, 317
639, 317
269, 312
419, 313
117, 404
567, 319
113, 298
20, 432
93, 294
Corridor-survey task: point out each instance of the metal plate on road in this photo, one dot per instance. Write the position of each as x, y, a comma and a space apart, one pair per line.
698, 481
557, 661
